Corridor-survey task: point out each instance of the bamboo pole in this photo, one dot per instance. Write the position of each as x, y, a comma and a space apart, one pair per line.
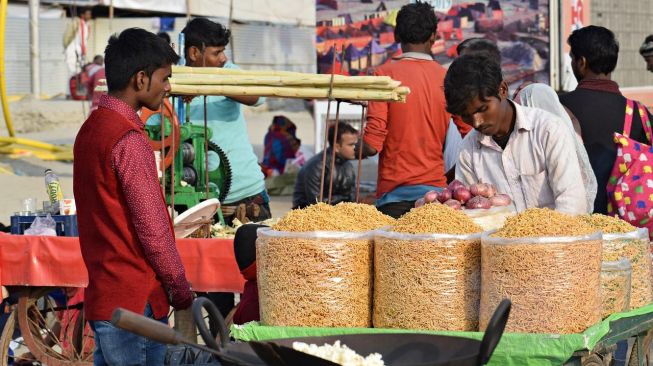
398, 94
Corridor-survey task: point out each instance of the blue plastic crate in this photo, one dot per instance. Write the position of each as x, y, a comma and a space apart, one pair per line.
66, 224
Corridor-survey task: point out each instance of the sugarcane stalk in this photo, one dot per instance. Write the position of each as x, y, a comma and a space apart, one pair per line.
177, 70
371, 82
223, 71
399, 94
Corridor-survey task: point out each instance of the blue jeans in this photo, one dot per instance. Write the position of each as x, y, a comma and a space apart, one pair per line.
117, 347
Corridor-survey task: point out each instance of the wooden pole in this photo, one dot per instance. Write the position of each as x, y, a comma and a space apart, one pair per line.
326, 124
111, 16
34, 47
231, 23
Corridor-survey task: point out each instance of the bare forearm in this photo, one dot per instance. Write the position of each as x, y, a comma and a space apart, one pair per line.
249, 100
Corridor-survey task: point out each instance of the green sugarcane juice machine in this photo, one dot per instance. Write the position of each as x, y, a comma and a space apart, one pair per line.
185, 150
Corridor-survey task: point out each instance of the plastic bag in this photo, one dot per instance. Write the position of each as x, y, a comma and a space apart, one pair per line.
427, 281
635, 247
43, 226
314, 279
615, 287
185, 355
492, 218
554, 283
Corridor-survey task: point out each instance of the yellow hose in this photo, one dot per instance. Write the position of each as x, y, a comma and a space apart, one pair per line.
12, 145
32, 143
3, 81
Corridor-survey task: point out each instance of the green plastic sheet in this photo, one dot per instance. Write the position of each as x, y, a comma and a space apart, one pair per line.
513, 349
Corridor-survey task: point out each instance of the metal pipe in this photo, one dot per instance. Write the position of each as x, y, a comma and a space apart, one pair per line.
333, 151
111, 17
206, 151
3, 74
231, 28
163, 149
326, 123
335, 135
172, 168
34, 47
360, 155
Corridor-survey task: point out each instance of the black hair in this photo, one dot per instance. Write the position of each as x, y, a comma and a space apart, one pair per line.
479, 46
201, 32
468, 77
646, 50
245, 244
599, 47
98, 58
343, 128
135, 50
164, 36
415, 23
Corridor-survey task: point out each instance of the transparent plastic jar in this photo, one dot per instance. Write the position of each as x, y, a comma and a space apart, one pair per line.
615, 286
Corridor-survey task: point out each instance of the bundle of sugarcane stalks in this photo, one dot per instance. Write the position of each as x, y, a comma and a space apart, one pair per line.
285, 84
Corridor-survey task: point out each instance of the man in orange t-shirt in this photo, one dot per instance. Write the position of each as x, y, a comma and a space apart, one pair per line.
409, 137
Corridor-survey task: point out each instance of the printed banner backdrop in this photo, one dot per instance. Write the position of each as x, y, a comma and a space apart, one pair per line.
361, 33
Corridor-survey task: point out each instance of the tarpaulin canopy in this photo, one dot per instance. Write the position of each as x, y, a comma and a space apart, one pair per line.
514, 349
295, 12
57, 261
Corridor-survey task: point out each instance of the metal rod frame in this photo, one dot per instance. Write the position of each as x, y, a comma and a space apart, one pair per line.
326, 123
162, 164
206, 151
333, 151
360, 155
172, 168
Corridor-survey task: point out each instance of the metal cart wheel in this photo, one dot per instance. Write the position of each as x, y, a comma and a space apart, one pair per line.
5, 338
640, 354
596, 359
20, 355
55, 335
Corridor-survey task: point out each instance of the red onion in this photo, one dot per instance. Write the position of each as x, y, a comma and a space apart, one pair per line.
453, 204
478, 202
462, 194
444, 196
500, 200
455, 184
430, 196
419, 202
491, 190
479, 189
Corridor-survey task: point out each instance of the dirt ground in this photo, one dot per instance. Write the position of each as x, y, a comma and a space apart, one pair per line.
57, 122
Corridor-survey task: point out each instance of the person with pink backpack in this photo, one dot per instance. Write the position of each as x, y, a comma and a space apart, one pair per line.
616, 131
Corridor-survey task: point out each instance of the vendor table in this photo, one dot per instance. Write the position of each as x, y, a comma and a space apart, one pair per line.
45, 275
590, 348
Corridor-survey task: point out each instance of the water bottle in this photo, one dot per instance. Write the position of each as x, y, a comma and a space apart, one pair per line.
53, 188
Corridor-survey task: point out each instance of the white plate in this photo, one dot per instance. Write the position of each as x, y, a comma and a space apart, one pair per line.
193, 218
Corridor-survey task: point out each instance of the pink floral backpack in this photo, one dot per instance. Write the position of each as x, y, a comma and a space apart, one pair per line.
630, 187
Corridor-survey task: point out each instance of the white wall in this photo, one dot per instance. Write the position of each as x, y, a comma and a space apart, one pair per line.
256, 45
